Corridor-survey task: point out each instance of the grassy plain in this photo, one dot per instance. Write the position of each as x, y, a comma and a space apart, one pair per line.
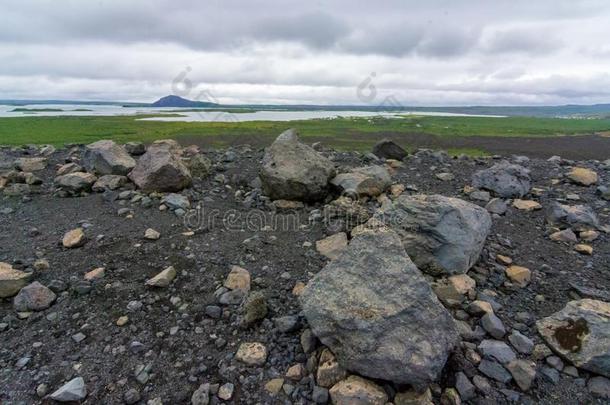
342, 133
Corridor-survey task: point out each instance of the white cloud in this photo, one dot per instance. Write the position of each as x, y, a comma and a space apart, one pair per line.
435, 53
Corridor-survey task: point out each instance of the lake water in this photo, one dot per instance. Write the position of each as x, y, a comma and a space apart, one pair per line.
202, 116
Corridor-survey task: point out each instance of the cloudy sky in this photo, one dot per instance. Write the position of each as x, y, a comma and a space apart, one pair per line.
324, 52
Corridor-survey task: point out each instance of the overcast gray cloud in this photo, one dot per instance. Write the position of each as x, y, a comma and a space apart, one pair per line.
261, 51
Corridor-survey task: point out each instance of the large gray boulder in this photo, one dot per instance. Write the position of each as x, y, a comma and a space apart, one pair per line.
580, 333
106, 157
373, 308
292, 170
577, 217
442, 235
504, 180
363, 181
161, 169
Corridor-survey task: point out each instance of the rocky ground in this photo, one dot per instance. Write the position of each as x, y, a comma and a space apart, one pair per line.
185, 283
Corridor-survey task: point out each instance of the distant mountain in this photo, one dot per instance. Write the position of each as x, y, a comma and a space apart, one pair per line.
176, 101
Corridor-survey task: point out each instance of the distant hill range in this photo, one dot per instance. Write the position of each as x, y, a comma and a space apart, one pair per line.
176, 101
173, 101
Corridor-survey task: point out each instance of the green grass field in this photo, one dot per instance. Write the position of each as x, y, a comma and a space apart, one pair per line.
342, 133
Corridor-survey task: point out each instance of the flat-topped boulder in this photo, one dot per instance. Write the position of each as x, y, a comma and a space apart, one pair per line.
442, 235
106, 157
363, 181
161, 169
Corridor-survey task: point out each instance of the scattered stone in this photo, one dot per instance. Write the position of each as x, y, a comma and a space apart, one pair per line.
176, 201
31, 164
135, 148
33, 297
580, 333
493, 325
566, 235
74, 238
505, 260
12, 280
225, 392
319, 395
445, 176
363, 181
519, 275
163, 279
292, 170
504, 179
40, 265
480, 308
450, 396
238, 279
497, 350
201, 396
288, 205
296, 372
95, 274
387, 149
442, 235
332, 246
378, 328
578, 217
494, 370
329, 371
497, 206
522, 343
480, 195
286, 324
75, 182
582, 176
274, 386
526, 205
131, 396
255, 308
464, 386
109, 182
357, 391
600, 387
550, 374
151, 234
588, 236
414, 397
73, 390
122, 321
252, 354
584, 249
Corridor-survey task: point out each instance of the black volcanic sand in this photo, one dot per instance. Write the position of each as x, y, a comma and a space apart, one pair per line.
581, 147
201, 348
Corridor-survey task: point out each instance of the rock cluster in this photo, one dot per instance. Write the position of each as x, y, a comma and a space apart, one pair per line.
377, 278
